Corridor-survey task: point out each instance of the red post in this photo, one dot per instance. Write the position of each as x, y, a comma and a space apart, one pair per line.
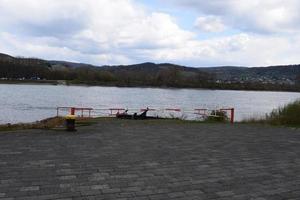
232, 115
72, 111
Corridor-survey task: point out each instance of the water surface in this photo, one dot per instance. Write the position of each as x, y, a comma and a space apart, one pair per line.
28, 103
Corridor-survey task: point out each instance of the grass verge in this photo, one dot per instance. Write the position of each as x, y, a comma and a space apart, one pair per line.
43, 124
288, 115
46, 124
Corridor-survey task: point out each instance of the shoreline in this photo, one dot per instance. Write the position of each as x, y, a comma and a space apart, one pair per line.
59, 83
58, 123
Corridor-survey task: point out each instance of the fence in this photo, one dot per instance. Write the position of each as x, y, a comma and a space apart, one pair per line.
194, 114
72, 111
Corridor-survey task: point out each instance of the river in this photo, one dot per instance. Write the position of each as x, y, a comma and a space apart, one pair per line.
28, 103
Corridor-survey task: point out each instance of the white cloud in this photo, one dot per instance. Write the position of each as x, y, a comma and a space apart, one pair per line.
108, 29
267, 16
240, 49
124, 32
209, 24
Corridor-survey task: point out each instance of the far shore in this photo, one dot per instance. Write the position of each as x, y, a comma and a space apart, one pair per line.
92, 84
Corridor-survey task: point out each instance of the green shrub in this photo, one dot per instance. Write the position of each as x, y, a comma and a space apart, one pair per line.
217, 116
286, 115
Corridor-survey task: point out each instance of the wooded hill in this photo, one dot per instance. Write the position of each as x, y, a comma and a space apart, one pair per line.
150, 74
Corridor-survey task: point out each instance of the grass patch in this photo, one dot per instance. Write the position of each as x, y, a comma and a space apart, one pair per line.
58, 123
43, 124
288, 115
163, 121
87, 121
47, 124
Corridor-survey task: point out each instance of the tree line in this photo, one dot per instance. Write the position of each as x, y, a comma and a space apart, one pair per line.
167, 76
143, 75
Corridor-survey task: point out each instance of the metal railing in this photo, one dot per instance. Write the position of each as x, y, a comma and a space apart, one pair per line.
198, 113
73, 110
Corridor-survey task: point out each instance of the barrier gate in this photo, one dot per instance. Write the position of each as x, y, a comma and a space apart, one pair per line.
193, 114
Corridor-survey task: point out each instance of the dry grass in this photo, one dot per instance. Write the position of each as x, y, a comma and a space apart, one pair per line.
288, 115
43, 124
50, 123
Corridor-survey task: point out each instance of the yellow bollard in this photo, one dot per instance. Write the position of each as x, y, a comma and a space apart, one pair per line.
70, 122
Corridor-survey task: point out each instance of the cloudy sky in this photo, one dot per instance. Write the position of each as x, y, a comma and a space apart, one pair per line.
188, 32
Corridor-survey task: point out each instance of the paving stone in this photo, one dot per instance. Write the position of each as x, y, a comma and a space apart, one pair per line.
99, 187
176, 194
149, 160
31, 188
108, 191
65, 185
67, 177
225, 193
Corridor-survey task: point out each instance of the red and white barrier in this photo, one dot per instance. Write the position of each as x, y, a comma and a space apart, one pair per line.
73, 111
198, 113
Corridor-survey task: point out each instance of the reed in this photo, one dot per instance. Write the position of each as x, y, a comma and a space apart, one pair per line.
288, 115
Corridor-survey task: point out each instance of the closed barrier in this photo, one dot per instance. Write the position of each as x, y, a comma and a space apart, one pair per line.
173, 109
149, 109
231, 110
228, 112
114, 111
199, 113
83, 112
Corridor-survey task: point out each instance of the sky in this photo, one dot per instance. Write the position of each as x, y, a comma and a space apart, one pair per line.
197, 33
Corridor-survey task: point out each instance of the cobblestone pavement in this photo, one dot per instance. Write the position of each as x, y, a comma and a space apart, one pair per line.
151, 160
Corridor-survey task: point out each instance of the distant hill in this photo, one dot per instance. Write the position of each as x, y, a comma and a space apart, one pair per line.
5, 57
283, 73
152, 68
151, 74
69, 64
